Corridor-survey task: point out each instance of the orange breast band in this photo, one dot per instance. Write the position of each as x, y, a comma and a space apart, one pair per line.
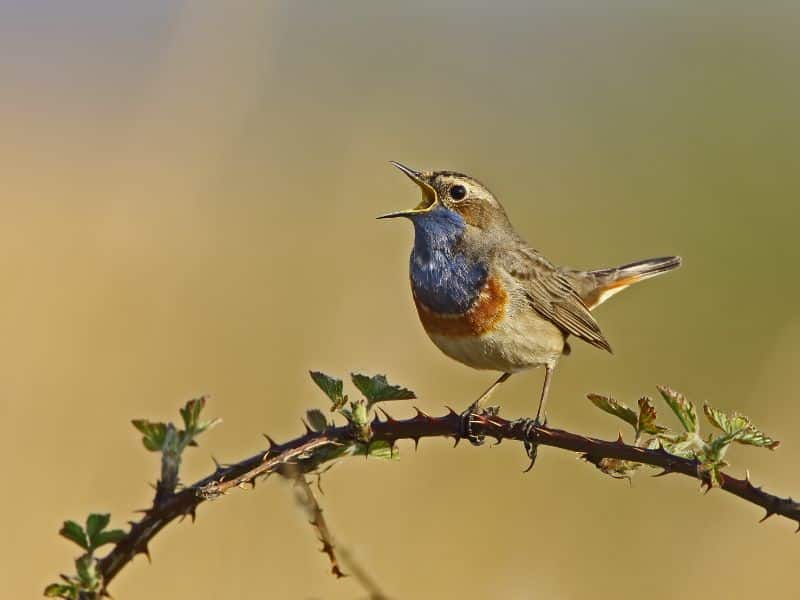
486, 311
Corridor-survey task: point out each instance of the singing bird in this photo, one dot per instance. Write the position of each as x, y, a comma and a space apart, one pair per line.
486, 298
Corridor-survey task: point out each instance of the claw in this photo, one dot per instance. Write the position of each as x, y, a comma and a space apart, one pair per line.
530, 442
532, 451
468, 419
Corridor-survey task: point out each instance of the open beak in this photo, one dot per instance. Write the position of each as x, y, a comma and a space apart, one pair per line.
429, 197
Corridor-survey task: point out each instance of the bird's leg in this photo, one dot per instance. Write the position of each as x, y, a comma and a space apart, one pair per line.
548, 376
485, 396
476, 408
529, 426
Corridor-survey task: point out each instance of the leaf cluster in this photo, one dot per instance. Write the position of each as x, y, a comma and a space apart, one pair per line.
89, 537
358, 413
156, 437
687, 442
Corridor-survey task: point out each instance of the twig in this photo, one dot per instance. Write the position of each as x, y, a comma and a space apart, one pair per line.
306, 497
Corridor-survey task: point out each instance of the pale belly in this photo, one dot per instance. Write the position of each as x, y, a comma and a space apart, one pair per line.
517, 342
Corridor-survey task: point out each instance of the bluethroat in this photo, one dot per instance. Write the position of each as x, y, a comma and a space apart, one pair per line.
488, 299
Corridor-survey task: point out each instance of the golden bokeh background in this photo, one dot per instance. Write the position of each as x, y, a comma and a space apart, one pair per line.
188, 201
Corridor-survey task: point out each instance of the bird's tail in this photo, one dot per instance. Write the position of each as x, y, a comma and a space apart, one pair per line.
598, 286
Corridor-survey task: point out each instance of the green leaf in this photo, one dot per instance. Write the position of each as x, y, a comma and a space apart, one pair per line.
382, 449
75, 533
727, 423
683, 409
317, 419
190, 413
153, 434
753, 437
203, 426
95, 523
331, 386
86, 567
111, 536
686, 445
646, 422
612, 407
740, 427
377, 389
61, 590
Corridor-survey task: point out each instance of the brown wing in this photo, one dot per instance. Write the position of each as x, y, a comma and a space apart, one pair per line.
551, 293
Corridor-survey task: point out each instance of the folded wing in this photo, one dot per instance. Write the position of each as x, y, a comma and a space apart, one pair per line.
551, 293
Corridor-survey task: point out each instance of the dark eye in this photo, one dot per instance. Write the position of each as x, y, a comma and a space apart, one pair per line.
458, 192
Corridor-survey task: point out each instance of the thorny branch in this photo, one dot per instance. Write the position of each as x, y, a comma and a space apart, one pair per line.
302, 454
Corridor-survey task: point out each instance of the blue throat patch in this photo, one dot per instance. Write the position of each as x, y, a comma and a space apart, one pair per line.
443, 279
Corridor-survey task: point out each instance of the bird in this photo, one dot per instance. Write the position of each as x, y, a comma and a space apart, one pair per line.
487, 298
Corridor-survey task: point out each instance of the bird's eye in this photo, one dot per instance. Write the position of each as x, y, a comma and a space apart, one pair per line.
458, 192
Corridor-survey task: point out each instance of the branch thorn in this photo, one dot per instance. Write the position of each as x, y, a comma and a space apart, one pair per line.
421, 414
272, 443
389, 418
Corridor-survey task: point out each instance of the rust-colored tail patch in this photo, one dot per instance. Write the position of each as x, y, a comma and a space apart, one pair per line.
607, 282
602, 293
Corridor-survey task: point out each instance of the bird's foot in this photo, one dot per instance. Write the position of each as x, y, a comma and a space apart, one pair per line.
468, 420
531, 437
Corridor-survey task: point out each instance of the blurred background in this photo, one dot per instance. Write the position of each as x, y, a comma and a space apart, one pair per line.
188, 201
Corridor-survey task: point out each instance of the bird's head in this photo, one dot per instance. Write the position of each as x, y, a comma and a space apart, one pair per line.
446, 194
